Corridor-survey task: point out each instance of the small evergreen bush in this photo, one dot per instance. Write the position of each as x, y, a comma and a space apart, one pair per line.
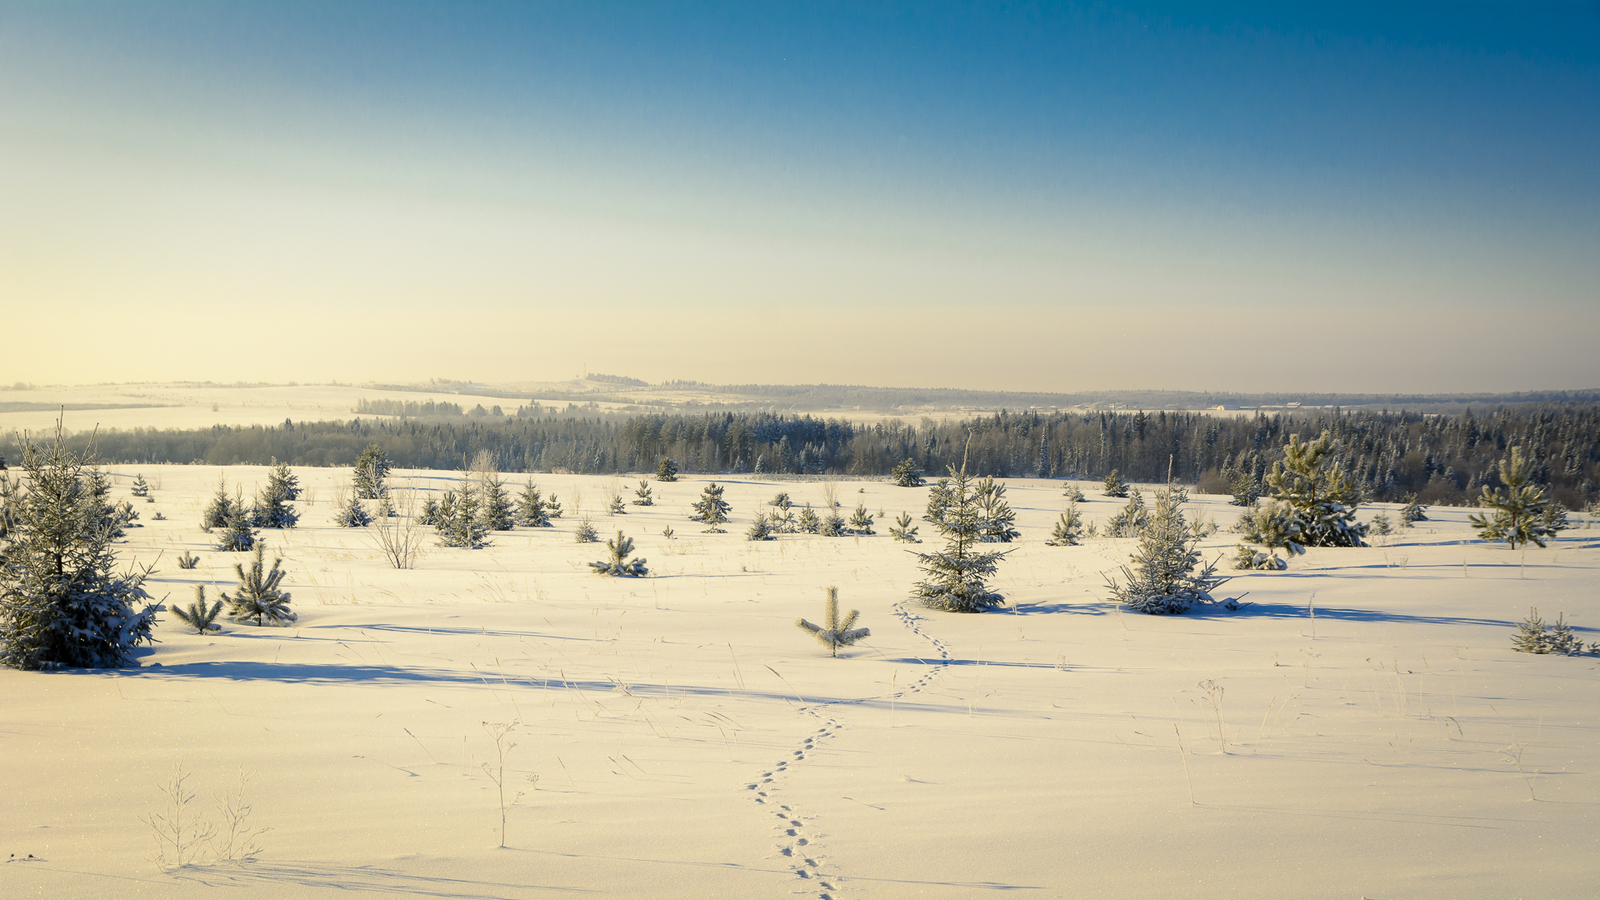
1115, 486
809, 522
1131, 519
667, 469
141, 488
619, 565
861, 520
1533, 636
585, 533
1069, 528
532, 510
188, 560
760, 530
907, 474
642, 495
353, 515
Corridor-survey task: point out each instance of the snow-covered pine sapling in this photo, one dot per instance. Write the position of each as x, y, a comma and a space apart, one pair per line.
1073, 493
1164, 580
1523, 513
833, 525
668, 533
621, 548
585, 533
998, 518
907, 474
642, 495
1318, 496
1411, 511
430, 514
1382, 525
1131, 519
1246, 490
781, 500
834, 633
352, 515
188, 560
532, 509
711, 510
809, 522
903, 530
260, 595
141, 488
615, 506
1272, 525
198, 616
667, 469
1115, 486
760, 529
861, 520
1533, 636
1069, 528
1250, 559
553, 506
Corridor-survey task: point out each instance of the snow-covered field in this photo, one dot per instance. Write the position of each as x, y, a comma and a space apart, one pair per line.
1367, 732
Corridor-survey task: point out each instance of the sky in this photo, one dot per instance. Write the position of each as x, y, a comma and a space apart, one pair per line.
1005, 196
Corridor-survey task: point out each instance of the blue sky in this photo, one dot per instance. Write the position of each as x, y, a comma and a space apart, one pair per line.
1017, 196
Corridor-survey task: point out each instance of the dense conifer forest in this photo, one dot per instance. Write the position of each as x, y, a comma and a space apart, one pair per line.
1442, 458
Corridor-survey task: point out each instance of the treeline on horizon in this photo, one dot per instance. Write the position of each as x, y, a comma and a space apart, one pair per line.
1444, 459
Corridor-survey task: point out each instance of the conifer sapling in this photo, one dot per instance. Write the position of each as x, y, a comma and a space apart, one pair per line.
834, 632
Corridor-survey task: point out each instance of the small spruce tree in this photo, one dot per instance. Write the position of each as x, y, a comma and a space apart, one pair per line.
532, 510
495, 508
809, 521
61, 603
217, 511
835, 632
370, 470
956, 577
711, 510
615, 506
1115, 486
141, 488
667, 469
464, 527
585, 533
238, 532
1164, 580
1073, 493
352, 515
1411, 511
760, 529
